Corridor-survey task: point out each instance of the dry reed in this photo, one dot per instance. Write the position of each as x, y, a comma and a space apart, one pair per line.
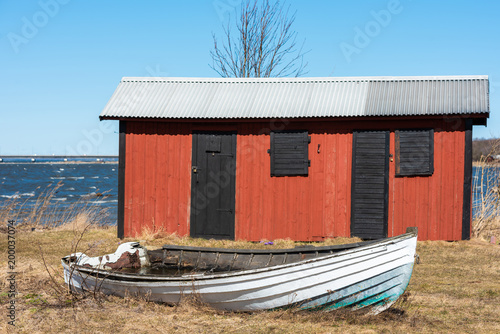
486, 196
45, 213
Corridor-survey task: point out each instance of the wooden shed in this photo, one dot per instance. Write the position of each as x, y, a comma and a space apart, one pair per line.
299, 158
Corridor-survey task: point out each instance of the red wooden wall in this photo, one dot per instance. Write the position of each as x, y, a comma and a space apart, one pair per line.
158, 180
432, 203
157, 177
300, 208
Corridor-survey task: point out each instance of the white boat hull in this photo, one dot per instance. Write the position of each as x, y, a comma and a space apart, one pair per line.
373, 275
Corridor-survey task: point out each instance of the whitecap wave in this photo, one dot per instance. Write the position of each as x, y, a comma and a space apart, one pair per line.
104, 202
57, 178
10, 196
15, 196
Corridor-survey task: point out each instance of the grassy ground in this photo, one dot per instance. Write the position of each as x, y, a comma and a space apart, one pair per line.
454, 289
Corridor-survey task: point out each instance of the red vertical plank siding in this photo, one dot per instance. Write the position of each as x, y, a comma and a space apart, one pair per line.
184, 143
300, 208
137, 192
329, 144
435, 189
129, 169
244, 155
339, 223
449, 170
161, 176
150, 155
410, 202
157, 178
422, 208
158, 181
432, 203
173, 186
316, 222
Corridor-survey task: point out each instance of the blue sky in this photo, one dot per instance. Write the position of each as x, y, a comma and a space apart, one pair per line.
61, 60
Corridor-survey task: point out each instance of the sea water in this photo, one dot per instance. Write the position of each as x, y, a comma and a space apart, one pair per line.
78, 184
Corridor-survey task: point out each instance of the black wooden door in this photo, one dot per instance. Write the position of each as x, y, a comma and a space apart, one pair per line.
213, 185
370, 184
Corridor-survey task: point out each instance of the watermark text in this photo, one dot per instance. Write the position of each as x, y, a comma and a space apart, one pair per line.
363, 36
11, 273
31, 25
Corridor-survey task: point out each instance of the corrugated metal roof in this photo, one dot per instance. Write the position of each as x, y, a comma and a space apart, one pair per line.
214, 98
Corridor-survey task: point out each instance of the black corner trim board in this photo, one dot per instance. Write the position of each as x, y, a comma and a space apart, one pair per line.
121, 180
467, 193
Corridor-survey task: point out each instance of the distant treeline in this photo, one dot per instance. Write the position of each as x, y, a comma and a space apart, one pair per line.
485, 147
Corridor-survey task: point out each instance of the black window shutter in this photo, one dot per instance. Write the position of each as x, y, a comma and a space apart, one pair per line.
289, 153
414, 152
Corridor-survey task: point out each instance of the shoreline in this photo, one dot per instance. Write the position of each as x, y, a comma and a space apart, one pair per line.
485, 164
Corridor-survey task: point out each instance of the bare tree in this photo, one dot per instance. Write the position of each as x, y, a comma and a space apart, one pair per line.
265, 45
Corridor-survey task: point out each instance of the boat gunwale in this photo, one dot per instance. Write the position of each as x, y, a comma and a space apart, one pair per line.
298, 249
136, 277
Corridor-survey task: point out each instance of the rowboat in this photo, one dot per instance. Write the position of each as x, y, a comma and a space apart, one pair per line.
370, 274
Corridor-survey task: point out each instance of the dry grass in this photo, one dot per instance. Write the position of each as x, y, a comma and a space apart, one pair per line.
158, 238
456, 288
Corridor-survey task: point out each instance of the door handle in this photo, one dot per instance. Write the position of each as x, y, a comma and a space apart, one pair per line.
195, 170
